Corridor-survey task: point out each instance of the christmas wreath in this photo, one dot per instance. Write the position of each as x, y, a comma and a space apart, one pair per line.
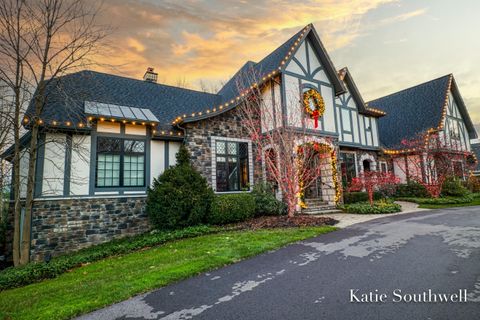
318, 104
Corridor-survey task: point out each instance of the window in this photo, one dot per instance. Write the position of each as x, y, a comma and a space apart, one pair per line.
232, 166
458, 169
348, 167
120, 163
454, 130
383, 167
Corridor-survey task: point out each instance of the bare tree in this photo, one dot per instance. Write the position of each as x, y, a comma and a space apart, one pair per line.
14, 50
292, 159
41, 40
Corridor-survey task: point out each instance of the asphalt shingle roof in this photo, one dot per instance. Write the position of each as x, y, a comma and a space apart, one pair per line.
251, 69
411, 111
67, 95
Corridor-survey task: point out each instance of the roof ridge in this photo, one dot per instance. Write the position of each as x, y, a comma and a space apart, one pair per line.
139, 80
412, 87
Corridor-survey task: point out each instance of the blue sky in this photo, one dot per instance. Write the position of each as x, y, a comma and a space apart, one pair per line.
388, 45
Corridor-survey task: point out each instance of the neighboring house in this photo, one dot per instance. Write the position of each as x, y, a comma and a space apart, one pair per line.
476, 150
105, 138
433, 106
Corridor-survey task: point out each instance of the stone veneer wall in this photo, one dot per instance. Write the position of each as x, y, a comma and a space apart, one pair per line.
198, 141
62, 226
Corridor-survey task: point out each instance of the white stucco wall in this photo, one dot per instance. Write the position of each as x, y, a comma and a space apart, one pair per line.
108, 127
303, 69
157, 158
54, 164
24, 157
173, 148
80, 167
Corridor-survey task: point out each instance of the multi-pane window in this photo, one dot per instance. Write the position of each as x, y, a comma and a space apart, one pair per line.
348, 167
383, 167
120, 162
232, 166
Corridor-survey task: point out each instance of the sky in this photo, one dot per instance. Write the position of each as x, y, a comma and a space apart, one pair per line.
388, 45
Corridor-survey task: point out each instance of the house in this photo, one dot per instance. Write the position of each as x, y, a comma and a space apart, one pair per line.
104, 139
434, 107
476, 151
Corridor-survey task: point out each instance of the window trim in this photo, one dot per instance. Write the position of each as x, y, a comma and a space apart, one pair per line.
122, 162
355, 159
380, 163
213, 144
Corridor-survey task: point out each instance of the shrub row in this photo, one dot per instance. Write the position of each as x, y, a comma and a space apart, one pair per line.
181, 197
230, 208
33, 272
378, 207
442, 200
354, 197
411, 189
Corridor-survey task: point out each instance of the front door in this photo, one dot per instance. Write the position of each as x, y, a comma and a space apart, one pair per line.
314, 190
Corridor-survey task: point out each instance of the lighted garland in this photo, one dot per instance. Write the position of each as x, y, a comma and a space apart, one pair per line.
318, 103
333, 163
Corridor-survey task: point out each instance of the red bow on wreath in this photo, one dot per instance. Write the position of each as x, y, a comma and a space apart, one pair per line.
315, 115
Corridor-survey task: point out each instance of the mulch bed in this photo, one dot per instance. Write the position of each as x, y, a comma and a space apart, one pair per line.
270, 222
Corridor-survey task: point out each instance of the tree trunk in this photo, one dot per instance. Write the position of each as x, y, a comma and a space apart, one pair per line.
17, 206
27, 221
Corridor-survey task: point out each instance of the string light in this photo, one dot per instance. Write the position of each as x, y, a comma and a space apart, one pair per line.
264, 77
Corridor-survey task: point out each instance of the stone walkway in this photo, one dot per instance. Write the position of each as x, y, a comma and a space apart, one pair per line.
347, 219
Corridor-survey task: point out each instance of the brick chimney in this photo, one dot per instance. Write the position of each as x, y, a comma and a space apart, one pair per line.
150, 76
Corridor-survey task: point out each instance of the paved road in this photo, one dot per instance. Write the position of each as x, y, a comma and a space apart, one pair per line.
437, 250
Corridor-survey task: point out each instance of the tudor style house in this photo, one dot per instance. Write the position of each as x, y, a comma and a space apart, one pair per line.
104, 138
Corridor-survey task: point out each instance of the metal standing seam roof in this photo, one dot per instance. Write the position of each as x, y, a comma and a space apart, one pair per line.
114, 111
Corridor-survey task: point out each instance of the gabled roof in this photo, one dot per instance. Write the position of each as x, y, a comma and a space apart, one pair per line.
267, 68
67, 96
65, 104
345, 75
415, 110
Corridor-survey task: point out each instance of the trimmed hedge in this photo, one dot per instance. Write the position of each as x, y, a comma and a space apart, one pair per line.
378, 207
266, 204
33, 272
411, 189
442, 200
230, 208
354, 197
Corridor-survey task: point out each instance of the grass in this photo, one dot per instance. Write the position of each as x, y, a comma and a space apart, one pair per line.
475, 202
114, 279
446, 202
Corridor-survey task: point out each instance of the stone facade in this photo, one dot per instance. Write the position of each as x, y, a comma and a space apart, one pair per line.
198, 139
62, 226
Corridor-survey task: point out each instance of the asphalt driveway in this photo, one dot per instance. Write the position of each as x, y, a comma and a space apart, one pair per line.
437, 250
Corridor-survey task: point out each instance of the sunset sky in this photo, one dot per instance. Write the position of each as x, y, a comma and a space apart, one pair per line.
388, 45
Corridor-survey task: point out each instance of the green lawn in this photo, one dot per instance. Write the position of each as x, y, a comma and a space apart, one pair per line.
117, 278
475, 202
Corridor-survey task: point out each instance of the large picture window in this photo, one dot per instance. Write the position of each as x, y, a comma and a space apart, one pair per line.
232, 166
348, 166
120, 162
